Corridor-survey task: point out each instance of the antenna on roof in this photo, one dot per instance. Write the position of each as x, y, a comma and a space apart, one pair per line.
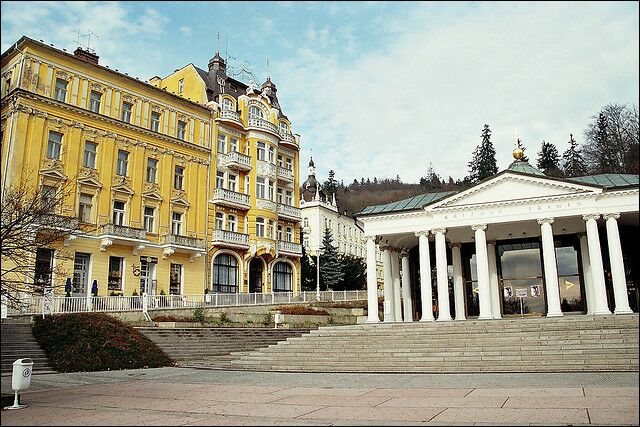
218, 42
88, 37
267, 68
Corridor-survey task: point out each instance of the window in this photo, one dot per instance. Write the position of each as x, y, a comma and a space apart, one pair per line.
259, 227
84, 207
305, 222
43, 269
280, 161
282, 277
262, 154
155, 121
284, 129
222, 143
219, 221
47, 196
61, 90
305, 241
272, 230
178, 178
175, 279
219, 179
247, 184
180, 85
289, 198
54, 145
90, 151
126, 112
182, 129
272, 155
149, 215
118, 212
289, 234
114, 281
280, 196
232, 182
152, 170
233, 145
255, 112
270, 188
225, 274
260, 187
280, 233
289, 164
176, 223
94, 101
227, 104
231, 223
121, 165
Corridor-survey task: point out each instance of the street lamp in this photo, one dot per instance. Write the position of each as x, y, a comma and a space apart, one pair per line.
318, 261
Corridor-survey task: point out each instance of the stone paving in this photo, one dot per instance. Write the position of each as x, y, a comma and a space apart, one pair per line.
178, 396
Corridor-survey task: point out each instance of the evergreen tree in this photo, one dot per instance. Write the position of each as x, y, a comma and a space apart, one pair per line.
473, 167
549, 159
573, 163
355, 274
521, 146
331, 268
330, 186
483, 159
307, 270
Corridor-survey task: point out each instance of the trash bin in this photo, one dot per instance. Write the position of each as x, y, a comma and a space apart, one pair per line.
277, 318
20, 380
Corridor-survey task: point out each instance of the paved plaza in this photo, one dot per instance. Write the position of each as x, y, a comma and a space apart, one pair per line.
179, 396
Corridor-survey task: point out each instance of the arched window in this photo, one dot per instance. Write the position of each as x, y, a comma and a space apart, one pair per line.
284, 129
225, 274
227, 104
282, 277
255, 112
305, 222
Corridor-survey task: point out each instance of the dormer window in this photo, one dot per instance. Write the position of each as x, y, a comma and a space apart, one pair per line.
180, 85
227, 104
284, 129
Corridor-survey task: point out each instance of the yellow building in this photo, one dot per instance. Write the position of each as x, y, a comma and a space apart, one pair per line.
254, 214
181, 185
136, 157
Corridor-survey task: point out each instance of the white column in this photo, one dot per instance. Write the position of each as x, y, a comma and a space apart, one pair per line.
597, 271
586, 273
406, 289
397, 301
550, 268
425, 276
493, 281
617, 265
388, 286
372, 282
444, 311
458, 282
482, 263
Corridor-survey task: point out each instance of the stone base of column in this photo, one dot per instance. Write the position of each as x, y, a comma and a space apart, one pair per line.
624, 311
427, 319
372, 321
555, 314
444, 319
460, 319
485, 318
497, 316
600, 312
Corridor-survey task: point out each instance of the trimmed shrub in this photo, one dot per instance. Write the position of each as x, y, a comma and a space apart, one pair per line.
173, 319
301, 309
198, 315
87, 342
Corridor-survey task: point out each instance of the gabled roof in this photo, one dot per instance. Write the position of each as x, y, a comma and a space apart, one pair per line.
412, 203
608, 180
525, 167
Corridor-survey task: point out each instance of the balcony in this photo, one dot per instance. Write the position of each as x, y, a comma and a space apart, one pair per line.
230, 198
185, 241
235, 160
285, 175
290, 212
122, 231
230, 239
229, 116
289, 139
289, 248
262, 124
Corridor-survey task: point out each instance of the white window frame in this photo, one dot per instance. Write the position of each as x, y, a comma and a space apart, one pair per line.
154, 125
176, 223
180, 86
178, 177
94, 104
60, 93
152, 170
256, 112
119, 215
122, 163
219, 221
222, 143
89, 157
54, 146
232, 182
181, 131
219, 179
261, 187
149, 220
260, 227
232, 223
83, 207
261, 148
126, 112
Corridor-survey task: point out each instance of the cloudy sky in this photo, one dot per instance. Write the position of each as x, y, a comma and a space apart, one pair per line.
376, 88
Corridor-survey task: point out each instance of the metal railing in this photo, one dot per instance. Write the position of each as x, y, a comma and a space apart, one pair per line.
123, 231
37, 304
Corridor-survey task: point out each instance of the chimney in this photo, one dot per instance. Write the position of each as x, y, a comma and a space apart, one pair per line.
86, 56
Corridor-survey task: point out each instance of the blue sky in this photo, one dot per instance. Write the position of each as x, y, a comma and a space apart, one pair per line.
381, 88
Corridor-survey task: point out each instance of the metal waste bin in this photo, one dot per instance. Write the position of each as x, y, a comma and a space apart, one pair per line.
20, 380
277, 318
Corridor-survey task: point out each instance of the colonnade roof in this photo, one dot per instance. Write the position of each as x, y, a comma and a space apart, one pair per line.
608, 180
416, 202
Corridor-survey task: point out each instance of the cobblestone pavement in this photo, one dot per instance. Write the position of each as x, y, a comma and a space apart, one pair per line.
178, 396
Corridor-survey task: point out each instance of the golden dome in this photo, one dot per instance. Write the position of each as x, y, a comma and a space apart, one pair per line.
518, 153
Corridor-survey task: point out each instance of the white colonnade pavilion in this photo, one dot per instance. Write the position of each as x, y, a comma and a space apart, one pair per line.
517, 244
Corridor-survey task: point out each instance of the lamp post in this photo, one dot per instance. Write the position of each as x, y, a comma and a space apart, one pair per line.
318, 260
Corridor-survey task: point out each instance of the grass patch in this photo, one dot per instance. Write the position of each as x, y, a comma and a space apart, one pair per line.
301, 309
88, 342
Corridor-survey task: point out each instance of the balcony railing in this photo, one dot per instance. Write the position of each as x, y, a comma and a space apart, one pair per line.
230, 237
290, 247
230, 115
262, 124
231, 198
285, 174
238, 161
290, 212
288, 138
123, 231
191, 242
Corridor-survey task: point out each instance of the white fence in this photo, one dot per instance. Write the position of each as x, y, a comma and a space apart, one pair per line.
34, 305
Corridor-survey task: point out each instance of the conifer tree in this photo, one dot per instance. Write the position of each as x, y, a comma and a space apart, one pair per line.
521, 146
573, 163
483, 159
331, 268
330, 186
308, 271
549, 159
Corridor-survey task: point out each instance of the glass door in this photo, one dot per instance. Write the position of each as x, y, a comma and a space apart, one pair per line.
521, 283
255, 276
80, 274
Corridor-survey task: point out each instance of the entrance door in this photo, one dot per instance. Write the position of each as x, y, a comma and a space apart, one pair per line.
255, 276
147, 274
80, 274
522, 287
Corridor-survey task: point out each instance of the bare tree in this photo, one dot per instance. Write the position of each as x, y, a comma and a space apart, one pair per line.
32, 230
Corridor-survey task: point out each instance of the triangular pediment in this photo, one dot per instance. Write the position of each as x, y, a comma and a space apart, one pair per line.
90, 182
53, 174
154, 195
511, 187
123, 188
180, 201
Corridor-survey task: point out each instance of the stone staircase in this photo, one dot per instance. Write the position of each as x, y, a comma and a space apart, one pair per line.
215, 347
567, 344
18, 343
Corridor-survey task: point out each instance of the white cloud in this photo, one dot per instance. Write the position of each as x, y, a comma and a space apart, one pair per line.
543, 69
